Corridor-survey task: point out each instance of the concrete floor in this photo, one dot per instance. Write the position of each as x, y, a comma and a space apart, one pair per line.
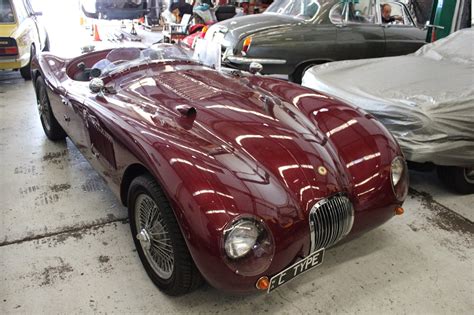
65, 244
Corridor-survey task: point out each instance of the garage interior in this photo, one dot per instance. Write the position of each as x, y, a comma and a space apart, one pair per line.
66, 245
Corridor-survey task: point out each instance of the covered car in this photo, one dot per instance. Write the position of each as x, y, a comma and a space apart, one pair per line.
293, 35
425, 99
230, 177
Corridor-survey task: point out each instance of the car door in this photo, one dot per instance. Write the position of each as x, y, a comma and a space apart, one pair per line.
25, 34
40, 30
359, 31
401, 36
100, 144
73, 114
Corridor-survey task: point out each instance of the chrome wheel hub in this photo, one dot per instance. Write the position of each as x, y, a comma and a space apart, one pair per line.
144, 239
154, 236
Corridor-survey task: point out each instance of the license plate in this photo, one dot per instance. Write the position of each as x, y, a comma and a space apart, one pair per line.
313, 260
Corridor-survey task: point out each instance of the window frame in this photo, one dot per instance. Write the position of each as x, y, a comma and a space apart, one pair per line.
406, 14
344, 18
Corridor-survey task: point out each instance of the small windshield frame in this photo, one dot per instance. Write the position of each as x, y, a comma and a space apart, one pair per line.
306, 10
159, 52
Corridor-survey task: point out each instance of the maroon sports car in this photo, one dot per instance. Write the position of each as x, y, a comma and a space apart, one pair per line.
235, 178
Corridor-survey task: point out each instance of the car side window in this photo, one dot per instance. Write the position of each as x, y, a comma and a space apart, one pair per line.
395, 13
335, 14
6, 12
359, 12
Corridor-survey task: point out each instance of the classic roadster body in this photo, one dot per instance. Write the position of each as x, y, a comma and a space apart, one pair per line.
227, 175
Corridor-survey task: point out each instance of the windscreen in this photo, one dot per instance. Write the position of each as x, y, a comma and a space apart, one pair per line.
6, 12
124, 58
301, 9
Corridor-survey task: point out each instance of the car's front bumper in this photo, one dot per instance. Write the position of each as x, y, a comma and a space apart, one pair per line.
220, 276
246, 61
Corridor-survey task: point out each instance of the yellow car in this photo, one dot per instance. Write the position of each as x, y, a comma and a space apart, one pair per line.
21, 36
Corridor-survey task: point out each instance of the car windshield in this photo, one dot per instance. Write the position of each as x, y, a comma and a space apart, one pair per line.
205, 53
6, 12
302, 9
124, 58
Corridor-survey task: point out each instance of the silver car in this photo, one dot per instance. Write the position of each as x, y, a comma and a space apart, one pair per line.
425, 99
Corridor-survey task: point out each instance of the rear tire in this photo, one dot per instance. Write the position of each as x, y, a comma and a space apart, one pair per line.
458, 179
158, 239
51, 127
26, 70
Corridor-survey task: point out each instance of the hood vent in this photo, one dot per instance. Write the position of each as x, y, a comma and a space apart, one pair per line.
186, 86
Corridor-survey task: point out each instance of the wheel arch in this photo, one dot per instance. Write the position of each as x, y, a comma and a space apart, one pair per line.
297, 74
131, 172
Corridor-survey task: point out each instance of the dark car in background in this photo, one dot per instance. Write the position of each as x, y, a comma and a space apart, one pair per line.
293, 35
114, 9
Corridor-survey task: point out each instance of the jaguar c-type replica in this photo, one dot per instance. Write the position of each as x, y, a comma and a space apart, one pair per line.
231, 177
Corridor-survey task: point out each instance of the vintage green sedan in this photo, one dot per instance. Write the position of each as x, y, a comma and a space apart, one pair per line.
293, 35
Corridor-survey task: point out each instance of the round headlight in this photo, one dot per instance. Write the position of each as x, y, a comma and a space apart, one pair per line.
241, 238
248, 246
398, 166
399, 176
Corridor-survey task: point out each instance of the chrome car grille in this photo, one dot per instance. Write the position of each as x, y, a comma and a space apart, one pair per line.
330, 220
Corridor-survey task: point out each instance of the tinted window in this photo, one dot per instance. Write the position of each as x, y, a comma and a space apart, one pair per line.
6, 12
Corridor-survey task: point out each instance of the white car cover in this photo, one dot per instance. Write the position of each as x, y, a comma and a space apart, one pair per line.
425, 99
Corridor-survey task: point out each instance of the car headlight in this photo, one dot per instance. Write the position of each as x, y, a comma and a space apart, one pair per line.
241, 238
399, 177
248, 246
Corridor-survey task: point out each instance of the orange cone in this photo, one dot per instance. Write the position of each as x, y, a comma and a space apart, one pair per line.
96, 33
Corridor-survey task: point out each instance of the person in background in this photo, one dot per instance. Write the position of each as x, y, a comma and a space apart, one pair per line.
180, 8
387, 14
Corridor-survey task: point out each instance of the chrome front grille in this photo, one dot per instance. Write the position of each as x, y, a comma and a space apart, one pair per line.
330, 220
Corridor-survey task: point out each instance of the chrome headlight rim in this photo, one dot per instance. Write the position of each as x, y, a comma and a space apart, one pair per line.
238, 222
399, 181
259, 257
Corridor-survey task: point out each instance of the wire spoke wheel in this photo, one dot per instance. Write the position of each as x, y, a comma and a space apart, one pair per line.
154, 236
44, 109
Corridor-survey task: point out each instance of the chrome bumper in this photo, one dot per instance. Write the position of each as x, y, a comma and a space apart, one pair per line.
263, 61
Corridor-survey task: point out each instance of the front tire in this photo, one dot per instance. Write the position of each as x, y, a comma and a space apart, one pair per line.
51, 127
459, 179
158, 239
